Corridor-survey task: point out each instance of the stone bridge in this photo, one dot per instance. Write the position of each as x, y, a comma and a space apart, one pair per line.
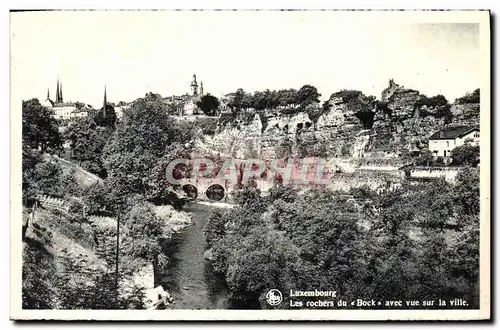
207, 188
216, 189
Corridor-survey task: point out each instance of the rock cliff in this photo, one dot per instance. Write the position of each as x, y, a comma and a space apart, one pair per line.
350, 125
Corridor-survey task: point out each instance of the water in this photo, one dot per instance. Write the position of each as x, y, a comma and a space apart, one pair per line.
189, 277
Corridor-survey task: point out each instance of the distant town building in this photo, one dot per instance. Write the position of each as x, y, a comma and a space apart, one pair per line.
120, 109
442, 142
186, 105
66, 110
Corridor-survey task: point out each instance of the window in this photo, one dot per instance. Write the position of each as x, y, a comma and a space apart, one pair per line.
447, 143
476, 135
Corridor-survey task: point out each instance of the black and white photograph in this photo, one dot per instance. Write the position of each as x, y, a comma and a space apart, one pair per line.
249, 165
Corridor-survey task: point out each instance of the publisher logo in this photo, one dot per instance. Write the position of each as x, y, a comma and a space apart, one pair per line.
274, 297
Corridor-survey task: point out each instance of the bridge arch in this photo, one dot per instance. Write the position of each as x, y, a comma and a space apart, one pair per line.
190, 190
215, 192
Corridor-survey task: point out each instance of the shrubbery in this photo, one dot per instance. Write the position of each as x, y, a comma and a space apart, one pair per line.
465, 155
390, 245
473, 97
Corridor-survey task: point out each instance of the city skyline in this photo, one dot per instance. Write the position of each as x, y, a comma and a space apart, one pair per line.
134, 53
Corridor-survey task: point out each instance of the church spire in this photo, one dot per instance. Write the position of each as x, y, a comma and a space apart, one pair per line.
60, 93
201, 88
104, 103
48, 94
57, 91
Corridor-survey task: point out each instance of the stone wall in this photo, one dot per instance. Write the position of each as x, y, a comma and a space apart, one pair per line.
425, 173
374, 179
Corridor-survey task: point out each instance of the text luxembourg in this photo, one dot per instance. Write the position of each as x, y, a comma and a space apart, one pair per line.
315, 293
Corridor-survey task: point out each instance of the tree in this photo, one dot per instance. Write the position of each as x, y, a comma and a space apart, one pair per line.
47, 178
139, 141
298, 239
87, 141
426, 158
259, 101
160, 189
108, 119
39, 128
466, 154
98, 199
236, 100
307, 94
30, 159
37, 273
208, 104
473, 97
146, 232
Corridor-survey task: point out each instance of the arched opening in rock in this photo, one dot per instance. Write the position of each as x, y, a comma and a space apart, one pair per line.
366, 118
190, 190
215, 192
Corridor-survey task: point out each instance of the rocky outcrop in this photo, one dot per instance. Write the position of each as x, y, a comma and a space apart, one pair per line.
338, 129
284, 133
465, 113
351, 125
251, 139
401, 123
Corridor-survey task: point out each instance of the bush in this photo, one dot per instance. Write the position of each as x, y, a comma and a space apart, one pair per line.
473, 97
466, 155
426, 158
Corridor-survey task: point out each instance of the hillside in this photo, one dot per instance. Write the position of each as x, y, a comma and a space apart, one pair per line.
77, 249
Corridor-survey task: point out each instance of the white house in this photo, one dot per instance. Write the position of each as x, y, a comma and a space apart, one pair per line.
442, 142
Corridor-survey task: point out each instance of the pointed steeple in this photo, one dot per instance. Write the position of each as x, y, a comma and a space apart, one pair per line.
104, 103
60, 93
48, 94
201, 88
57, 91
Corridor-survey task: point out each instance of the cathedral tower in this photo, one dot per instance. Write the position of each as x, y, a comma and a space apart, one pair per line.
194, 86
59, 94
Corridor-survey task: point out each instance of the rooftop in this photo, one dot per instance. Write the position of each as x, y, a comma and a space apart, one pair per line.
453, 132
64, 104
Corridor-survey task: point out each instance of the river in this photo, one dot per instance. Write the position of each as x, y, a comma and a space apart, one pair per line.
189, 277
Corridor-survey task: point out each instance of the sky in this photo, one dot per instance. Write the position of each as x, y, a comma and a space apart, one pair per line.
135, 52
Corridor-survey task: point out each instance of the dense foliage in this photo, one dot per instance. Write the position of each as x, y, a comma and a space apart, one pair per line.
87, 141
466, 154
413, 243
40, 129
208, 104
473, 97
267, 99
139, 141
128, 156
